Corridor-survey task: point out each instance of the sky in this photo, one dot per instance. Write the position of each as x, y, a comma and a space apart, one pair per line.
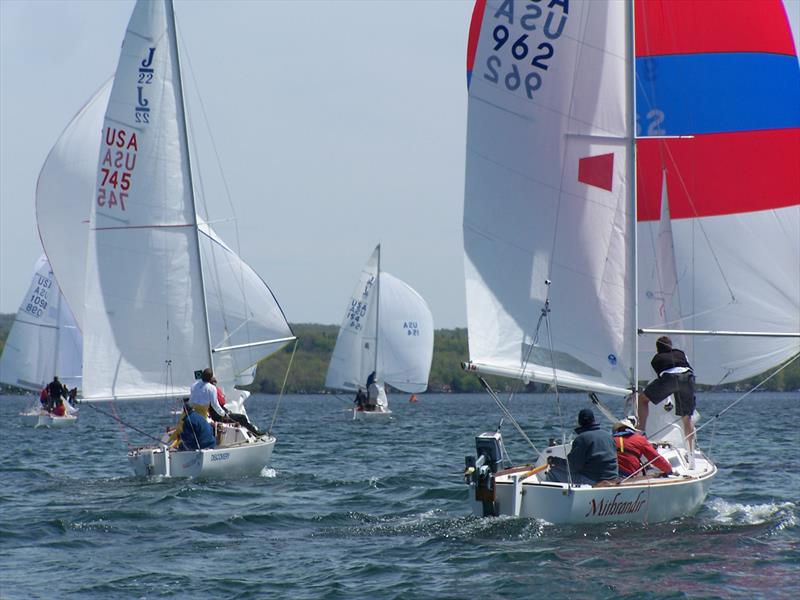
338, 125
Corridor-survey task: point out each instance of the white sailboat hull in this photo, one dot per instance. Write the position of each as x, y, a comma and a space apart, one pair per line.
379, 415
247, 458
641, 500
45, 419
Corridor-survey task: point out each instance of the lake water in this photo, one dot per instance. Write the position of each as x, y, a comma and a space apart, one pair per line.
354, 510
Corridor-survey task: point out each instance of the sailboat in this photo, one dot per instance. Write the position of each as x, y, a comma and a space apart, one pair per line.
573, 181
386, 337
44, 341
164, 296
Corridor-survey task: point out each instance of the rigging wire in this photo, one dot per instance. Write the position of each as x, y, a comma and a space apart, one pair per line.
283, 388
750, 391
508, 414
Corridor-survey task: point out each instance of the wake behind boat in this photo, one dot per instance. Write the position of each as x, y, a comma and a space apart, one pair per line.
386, 337
551, 224
165, 297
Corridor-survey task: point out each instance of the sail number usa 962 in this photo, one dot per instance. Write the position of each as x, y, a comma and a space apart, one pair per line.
521, 44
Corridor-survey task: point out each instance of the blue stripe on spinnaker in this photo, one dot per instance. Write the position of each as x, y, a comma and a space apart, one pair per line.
714, 93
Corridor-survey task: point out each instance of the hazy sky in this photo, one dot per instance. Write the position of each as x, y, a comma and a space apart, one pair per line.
338, 125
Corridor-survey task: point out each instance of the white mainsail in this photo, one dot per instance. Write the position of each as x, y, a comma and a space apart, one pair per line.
147, 326
387, 328
547, 196
44, 340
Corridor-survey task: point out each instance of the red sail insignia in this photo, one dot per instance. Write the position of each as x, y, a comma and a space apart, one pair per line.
597, 171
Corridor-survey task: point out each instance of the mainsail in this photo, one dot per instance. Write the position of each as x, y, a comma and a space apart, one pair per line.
547, 194
387, 328
44, 340
152, 269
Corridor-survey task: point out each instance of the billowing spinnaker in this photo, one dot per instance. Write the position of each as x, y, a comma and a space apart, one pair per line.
64, 196
732, 181
546, 194
405, 330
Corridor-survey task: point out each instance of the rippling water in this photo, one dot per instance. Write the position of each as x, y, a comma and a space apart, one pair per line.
354, 510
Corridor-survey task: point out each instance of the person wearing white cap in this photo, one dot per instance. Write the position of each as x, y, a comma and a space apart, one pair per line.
632, 447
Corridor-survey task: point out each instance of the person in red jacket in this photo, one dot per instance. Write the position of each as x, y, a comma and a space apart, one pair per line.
632, 447
59, 410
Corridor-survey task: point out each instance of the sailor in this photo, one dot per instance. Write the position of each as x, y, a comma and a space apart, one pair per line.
675, 376
58, 408
360, 399
55, 389
206, 392
632, 446
592, 458
196, 433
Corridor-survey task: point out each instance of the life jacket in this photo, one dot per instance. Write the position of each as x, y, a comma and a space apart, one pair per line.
59, 410
220, 397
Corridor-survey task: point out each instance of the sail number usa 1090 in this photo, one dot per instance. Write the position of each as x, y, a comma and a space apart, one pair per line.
37, 303
522, 43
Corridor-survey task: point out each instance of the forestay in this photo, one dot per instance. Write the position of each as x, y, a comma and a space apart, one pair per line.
44, 340
719, 181
546, 194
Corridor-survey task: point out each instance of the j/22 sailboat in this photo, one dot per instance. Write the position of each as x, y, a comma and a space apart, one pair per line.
44, 342
386, 337
595, 129
164, 296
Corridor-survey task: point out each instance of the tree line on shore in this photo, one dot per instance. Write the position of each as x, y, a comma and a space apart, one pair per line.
315, 346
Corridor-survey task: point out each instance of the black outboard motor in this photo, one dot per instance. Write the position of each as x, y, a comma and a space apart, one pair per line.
481, 469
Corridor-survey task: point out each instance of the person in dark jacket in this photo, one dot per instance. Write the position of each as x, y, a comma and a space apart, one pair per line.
632, 447
55, 390
196, 433
674, 376
593, 457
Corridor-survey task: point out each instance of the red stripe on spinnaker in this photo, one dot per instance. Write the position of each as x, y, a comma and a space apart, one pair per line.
702, 26
719, 174
597, 170
475, 32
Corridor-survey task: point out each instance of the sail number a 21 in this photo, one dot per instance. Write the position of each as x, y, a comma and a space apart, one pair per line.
521, 44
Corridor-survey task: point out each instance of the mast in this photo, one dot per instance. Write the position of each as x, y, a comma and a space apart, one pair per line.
58, 319
377, 311
173, 40
630, 105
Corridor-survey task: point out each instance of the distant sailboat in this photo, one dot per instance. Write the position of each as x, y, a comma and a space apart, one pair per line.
164, 297
43, 342
386, 337
554, 167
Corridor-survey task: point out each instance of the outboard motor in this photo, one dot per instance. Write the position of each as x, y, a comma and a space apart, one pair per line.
480, 469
